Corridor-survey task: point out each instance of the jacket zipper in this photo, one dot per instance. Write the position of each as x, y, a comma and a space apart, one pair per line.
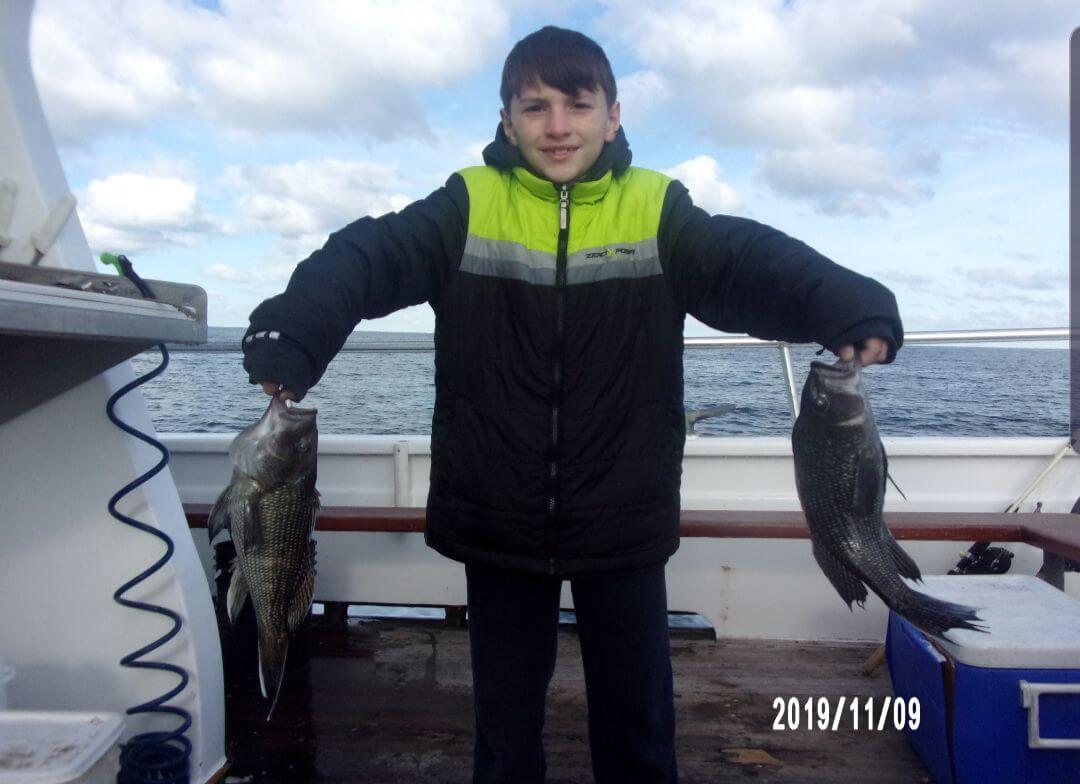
556, 372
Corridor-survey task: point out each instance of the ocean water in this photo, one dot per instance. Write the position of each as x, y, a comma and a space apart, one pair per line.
928, 391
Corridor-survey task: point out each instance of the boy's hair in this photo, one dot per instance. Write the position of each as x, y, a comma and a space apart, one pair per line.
564, 59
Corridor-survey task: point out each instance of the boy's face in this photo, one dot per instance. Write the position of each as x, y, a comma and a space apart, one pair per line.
560, 135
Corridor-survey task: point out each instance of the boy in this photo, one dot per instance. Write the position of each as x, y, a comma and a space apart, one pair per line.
560, 277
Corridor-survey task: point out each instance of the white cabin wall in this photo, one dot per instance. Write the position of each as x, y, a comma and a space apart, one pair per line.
64, 555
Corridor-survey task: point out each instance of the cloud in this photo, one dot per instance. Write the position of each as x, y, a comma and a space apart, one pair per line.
851, 180
1032, 279
912, 281
300, 204
130, 212
640, 94
108, 65
314, 197
811, 86
253, 66
992, 314
701, 176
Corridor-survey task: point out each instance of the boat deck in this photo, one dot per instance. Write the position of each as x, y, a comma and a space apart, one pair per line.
390, 701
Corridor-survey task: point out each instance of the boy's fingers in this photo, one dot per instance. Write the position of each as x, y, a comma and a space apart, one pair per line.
273, 387
872, 351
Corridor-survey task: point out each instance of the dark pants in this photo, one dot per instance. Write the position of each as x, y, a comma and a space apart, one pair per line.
622, 625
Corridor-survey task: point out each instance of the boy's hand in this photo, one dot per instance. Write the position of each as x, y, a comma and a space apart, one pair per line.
273, 387
872, 351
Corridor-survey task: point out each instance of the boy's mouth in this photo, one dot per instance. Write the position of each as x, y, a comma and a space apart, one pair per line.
558, 153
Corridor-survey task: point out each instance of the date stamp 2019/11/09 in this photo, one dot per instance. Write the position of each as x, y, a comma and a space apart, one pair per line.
831, 714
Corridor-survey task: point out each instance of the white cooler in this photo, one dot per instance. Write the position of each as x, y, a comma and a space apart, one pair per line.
59, 747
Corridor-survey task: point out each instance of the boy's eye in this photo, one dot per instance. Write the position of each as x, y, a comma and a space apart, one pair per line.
582, 105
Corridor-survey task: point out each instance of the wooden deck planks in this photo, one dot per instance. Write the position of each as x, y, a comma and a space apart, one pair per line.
391, 702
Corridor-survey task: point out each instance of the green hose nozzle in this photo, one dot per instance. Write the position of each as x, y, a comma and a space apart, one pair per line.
112, 259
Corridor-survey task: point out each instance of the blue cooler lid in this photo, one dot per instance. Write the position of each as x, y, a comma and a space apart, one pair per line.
1031, 624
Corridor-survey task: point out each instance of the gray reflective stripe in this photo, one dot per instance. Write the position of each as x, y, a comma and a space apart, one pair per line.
616, 260
505, 259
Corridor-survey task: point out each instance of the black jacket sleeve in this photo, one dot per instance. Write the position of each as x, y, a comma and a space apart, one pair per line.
738, 275
368, 269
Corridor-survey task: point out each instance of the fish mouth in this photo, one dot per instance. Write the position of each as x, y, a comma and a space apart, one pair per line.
287, 408
838, 378
838, 368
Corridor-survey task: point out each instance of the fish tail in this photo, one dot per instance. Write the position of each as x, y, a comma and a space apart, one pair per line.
937, 616
273, 650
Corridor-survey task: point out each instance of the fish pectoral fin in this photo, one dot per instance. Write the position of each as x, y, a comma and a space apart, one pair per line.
848, 584
300, 603
893, 482
238, 593
905, 564
219, 519
885, 464
314, 517
252, 529
869, 485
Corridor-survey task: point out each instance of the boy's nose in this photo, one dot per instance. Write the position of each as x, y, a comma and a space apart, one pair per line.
557, 123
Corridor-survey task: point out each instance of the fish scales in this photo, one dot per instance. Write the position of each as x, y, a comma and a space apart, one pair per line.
279, 565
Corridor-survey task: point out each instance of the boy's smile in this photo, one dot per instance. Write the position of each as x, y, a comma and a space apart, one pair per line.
560, 135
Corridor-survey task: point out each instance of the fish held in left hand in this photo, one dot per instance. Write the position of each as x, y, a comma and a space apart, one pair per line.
840, 474
269, 509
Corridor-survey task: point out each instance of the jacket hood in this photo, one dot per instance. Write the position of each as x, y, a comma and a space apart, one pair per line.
614, 157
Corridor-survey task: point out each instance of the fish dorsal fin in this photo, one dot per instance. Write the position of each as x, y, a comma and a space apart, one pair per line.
220, 519
869, 482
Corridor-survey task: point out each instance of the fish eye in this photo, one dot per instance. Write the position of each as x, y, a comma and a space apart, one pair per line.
821, 404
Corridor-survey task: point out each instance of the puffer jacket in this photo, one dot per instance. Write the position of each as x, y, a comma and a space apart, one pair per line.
558, 428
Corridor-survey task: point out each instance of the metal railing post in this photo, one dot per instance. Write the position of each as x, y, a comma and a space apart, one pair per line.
402, 480
789, 380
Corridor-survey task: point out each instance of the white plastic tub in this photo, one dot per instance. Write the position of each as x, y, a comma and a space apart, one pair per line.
59, 747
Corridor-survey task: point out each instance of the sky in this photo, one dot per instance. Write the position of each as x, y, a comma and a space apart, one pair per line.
921, 142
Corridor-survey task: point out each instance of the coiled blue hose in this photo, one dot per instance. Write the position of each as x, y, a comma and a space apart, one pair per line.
160, 757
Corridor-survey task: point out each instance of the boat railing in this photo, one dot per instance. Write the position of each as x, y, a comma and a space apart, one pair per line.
1031, 334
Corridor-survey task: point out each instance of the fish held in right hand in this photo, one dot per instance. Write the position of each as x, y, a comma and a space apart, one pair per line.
840, 474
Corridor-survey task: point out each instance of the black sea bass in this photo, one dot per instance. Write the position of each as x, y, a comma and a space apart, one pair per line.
269, 508
840, 473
